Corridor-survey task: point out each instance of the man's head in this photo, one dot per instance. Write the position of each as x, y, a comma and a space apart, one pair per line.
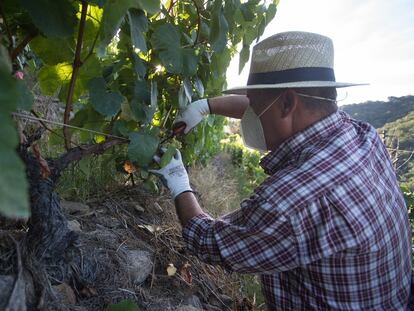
285, 112
298, 66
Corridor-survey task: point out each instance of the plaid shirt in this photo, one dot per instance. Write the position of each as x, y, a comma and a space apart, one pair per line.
327, 230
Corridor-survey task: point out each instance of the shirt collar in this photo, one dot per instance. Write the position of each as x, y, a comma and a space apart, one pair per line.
290, 149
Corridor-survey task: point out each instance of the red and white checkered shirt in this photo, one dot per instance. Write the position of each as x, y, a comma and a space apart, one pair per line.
327, 230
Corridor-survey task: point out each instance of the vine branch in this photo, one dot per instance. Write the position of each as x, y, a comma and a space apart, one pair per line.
77, 63
77, 153
19, 48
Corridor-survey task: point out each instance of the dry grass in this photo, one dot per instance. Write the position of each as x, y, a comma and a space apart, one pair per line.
217, 188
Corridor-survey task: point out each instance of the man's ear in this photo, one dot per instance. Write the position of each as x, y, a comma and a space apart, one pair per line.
289, 103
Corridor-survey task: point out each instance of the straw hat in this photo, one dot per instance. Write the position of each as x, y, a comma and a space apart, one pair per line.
292, 60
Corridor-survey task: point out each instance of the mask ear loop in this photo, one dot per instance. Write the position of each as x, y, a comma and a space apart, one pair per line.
324, 98
346, 96
267, 108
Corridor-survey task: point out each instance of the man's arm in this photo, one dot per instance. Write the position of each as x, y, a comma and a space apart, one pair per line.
232, 106
187, 207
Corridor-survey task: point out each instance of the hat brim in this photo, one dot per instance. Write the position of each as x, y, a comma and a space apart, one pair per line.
242, 90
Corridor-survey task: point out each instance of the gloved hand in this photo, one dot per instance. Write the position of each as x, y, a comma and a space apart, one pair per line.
193, 114
173, 175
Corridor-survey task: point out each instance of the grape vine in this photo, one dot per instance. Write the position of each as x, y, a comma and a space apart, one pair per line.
120, 67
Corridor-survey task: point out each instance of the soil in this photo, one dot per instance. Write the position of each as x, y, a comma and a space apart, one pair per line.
98, 269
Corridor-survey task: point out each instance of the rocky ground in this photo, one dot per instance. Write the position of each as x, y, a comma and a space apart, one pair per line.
130, 247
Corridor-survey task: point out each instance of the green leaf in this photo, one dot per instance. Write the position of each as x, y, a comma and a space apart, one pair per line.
182, 98
25, 98
52, 77
151, 6
154, 94
190, 61
247, 11
167, 156
88, 118
53, 50
198, 84
218, 29
105, 102
139, 66
125, 305
99, 3
271, 12
113, 15
55, 18
14, 197
144, 101
138, 24
176, 59
244, 57
142, 147
188, 89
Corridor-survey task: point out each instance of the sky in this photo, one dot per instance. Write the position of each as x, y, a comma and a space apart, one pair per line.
373, 42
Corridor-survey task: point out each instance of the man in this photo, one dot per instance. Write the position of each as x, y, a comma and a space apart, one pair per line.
328, 229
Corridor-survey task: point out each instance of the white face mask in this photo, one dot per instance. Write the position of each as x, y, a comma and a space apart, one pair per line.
252, 129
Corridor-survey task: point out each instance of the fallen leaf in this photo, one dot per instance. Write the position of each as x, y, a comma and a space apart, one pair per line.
171, 270
129, 167
44, 167
186, 274
150, 228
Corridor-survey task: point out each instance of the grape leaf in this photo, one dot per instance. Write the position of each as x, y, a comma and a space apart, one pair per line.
174, 57
142, 147
55, 18
52, 77
271, 12
139, 66
14, 198
113, 15
105, 102
218, 29
151, 6
167, 156
61, 53
198, 84
244, 57
138, 24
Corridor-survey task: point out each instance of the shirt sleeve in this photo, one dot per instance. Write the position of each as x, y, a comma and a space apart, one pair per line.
250, 240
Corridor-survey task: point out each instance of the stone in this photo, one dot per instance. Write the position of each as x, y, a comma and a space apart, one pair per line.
138, 208
157, 208
66, 293
74, 225
194, 301
139, 265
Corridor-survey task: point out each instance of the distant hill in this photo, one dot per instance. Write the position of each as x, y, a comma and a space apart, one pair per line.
379, 113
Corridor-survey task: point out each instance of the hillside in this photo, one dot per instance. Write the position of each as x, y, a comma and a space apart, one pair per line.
378, 113
400, 134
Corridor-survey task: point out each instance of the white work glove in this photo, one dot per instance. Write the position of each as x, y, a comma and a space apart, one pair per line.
173, 175
193, 114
